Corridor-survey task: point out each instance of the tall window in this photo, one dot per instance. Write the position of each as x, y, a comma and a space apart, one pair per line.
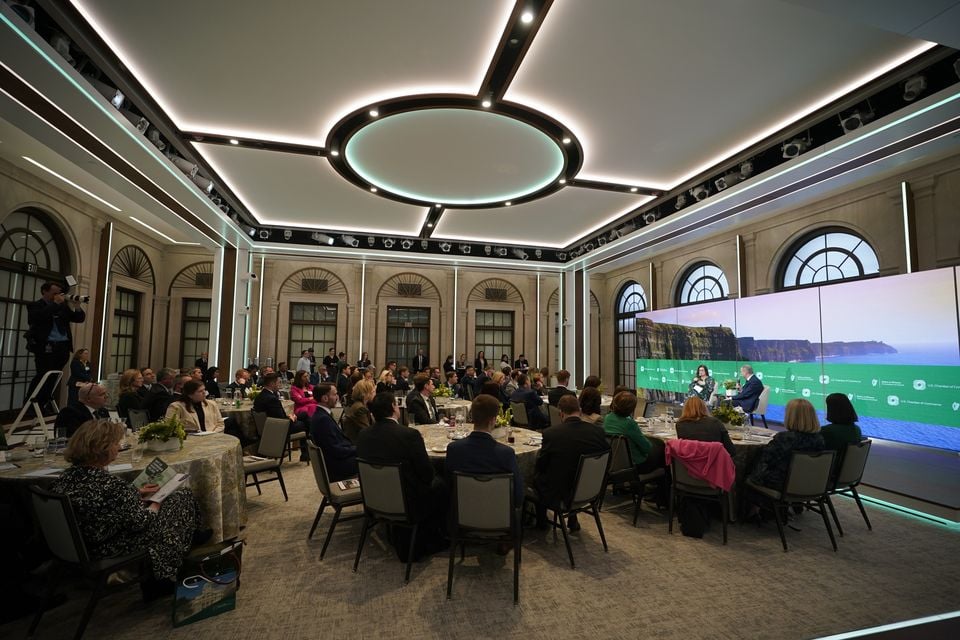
408, 329
836, 254
31, 252
630, 302
494, 334
126, 319
195, 333
312, 325
702, 282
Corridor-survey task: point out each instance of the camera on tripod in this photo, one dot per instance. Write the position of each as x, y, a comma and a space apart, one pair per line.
72, 282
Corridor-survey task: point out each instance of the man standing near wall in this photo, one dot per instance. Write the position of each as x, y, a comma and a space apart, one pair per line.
48, 334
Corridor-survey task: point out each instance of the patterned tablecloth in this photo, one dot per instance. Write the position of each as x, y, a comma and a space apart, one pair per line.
435, 439
243, 415
215, 465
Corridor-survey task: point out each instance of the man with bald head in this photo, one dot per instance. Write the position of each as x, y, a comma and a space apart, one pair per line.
90, 405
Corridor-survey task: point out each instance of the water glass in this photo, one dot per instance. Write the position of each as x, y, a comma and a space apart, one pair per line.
50, 451
228, 395
136, 452
38, 446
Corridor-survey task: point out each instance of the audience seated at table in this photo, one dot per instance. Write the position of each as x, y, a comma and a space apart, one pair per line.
554, 394
703, 385
537, 384
111, 514
592, 381
453, 381
211, 382
131, 381
364, 361
402, 381
469, 379
509, 386
386, 382
648, 454
521, 363
590, 405
388, 441
90, 405
842, 428
357, 416
161, 394
339, 453
491, 388
268, 402
532, 402
344, 383
149, 379
559, 456
301, 392
696, 423
194, 410
748, 397
421, 407
241, 382
479, 452
802, 434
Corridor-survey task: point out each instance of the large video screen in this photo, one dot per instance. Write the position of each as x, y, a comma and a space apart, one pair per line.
891, 344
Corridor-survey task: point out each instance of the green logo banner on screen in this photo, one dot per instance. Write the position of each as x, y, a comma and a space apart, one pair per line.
911, 393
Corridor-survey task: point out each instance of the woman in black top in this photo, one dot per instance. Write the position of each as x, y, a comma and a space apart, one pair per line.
130, 382
211, 383
79, 374
802, 434
364, 361
480, 362
448, 365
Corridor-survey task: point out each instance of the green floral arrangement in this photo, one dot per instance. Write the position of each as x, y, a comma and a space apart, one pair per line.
163, 430
252, 392
442, 391
504, 417
728, 415
729, 384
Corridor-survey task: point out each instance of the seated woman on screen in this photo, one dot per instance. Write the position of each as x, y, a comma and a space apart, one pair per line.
703, 385
802, 434
301, 392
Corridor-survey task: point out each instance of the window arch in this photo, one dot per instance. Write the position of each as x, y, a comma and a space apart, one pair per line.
630, 301
827, 255
702, 282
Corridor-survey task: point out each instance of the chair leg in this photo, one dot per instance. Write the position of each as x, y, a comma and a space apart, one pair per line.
833, 514
863, 512
751, 419
516, 570
670, 506
566, 540
54, 581
91, 605
333, 525
555, 527
603, 538
763, 417
367, 523
453, 553
725, 514
826, 523
256, 482
413, 541
316, 521
283, 487
637, 502
777, 517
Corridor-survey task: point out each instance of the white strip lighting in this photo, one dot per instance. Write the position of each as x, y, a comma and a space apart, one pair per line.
859, 633
216, 305
70, 182
108, 229
739, 241
363, 292
537, 323
561, 330
162, 234
456, 281
584, 313
263, 259
905, 205
246, 316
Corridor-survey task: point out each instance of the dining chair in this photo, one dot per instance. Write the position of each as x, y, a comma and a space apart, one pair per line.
333, 495
259, 419
588, 488
273, 443
761, 408
519, 411
384, 500
555, 417
848, 479
58, 524
684, 485
137, 418
623, 471
484, 511
807, 483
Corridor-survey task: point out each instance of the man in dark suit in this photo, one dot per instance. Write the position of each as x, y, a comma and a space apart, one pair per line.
202, 364
401, 383
90, 405
268, 402
521, 363
343, 380
749, 395
161, 394
531, 401
149, 379
479, 452
48, 334
241, 382
421, 408
468, 383
338, 452
420, 362
554, 394
559, 456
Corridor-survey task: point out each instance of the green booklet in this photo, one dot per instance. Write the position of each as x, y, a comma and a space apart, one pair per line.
159, 473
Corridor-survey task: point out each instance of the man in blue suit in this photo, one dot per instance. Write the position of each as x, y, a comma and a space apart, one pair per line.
479, 452
749, 395
338, 452
531, 401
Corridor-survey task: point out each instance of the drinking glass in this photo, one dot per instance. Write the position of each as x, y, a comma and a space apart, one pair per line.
50, 452
136, 453
228, 395
38, 446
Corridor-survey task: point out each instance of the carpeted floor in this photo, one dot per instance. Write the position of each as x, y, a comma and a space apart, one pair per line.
650, 584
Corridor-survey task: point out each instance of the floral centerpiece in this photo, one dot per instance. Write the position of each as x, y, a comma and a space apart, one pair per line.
729, 416
729, 384
504, 417
442, 391
163, 435
252, 392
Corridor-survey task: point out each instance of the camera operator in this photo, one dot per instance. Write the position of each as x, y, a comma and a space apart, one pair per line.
48, 332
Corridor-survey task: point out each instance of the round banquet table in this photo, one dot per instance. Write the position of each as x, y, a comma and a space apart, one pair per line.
447, 406
215, 465
243, 416
435, 439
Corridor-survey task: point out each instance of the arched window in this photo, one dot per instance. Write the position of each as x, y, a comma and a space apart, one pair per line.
630, 301
827, 256
702, 282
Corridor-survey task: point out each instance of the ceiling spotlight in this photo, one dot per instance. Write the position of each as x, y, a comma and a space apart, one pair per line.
59, 42
388, 243
538, 253
287, 234
681, 202
526, 17
445, 247
912, 88
563, 181
321, 238
856, 119
628, 227
589, 247
406, 244
633, 189
507, 203
520, 253
615, 234
334, 153
223, 207
141, 123
487, 101
264, 234
429, 225
700, 192
350, 241
185, 165
727, 180
487, 249
465, 249
374, 113
602, 240
251, 231
650, 217
205, 184
566, 141
154, 137
235, 218
437, 206
373, 189
25, 13
746, 169
114, 95
234, 141
502, 252
424, 245
371, 240
561, 255
575, 254
795, 147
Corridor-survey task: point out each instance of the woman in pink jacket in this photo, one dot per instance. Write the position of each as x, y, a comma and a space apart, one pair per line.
301, 392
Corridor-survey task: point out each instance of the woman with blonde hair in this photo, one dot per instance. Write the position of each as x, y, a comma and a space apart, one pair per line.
130, 382
194, 410
802, 434
357, 416
696, 423
386, 381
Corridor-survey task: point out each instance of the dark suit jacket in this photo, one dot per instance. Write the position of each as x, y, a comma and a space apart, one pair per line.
523, 365
387, 441
554, 394
480, 453
338, 452
417, 408
419, 363
707, 429
479, 365
72, 416
749, 395
401, 385
42, 314
157, 401
532, 402
343, 385
269, 403
560, 454
203, 365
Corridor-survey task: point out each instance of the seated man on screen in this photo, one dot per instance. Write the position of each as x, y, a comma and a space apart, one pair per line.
338, 452
421, 407
749, 395
268, 402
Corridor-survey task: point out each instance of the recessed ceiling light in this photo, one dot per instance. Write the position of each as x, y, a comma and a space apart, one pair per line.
566, 141
508, 203
526, 17
374, 113
334, 153
234, 141
633, 189
486, 103
373, 189
563, 181
430, 225
438, 205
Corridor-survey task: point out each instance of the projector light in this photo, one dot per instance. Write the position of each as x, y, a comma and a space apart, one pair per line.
350, 241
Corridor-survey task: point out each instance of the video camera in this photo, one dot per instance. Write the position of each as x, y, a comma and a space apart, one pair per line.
72, 282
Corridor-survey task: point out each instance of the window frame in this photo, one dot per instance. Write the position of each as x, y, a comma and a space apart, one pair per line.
423, 331
117, 317
686, 278
623, 373
807, 238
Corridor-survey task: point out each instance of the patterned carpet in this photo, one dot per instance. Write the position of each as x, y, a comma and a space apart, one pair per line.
650, 584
